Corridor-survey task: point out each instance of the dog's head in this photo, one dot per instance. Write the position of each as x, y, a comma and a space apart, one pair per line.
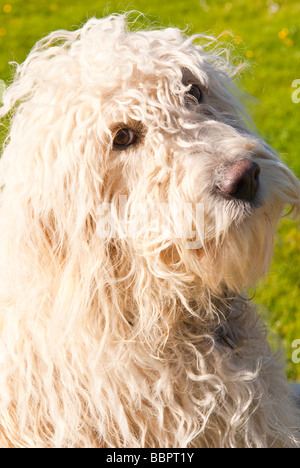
134, 147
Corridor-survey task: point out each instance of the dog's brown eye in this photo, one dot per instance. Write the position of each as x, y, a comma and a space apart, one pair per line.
195, 92
124, 138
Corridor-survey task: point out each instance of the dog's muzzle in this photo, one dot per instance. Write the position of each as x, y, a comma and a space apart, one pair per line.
240, 180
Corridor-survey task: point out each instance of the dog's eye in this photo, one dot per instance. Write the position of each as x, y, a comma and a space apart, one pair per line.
124, 138
196, 93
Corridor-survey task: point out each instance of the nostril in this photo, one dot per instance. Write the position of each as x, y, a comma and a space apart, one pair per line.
240, 180
257, 173
241, 187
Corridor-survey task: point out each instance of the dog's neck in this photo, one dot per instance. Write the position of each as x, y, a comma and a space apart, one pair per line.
227, 309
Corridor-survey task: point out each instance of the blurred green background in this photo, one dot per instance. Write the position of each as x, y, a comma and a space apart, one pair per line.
264, 33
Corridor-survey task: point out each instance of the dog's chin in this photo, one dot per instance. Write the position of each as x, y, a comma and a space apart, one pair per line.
240, 255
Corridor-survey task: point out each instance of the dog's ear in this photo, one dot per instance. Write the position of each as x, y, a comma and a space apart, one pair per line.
51, 175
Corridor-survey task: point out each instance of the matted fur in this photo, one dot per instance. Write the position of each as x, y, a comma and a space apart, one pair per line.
123, 341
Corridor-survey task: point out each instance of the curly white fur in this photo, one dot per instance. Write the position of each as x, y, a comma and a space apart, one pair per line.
117, 341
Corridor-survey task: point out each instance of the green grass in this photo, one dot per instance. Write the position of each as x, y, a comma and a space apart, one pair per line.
267, 35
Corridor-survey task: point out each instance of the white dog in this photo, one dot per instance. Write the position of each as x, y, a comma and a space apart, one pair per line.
135, 207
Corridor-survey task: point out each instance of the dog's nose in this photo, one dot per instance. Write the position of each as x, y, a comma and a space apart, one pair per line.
240, 180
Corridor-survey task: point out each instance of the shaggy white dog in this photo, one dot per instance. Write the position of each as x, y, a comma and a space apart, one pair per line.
120, 328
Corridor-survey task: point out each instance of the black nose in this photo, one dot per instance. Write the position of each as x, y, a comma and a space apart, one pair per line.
240, 180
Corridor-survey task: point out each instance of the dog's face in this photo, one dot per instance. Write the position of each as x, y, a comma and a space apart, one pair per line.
179, 139
147, 127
